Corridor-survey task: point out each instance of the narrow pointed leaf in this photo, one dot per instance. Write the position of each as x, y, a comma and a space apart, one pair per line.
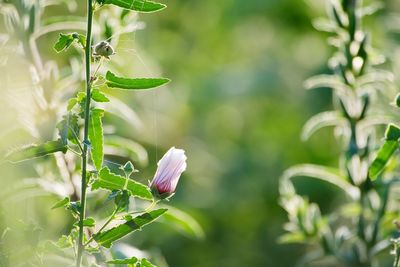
111, 181
145, 263
124, 147
319, 121
106, 238
136, 5
330, 81
392, 135
35, 151
133, 83
183, 222
132, 260
62, 203
330, 175
96, 137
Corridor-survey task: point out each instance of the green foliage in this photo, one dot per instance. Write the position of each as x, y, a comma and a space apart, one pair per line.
106, 238
123, 261
35, 151
62, 203
65, 241
321, 120
133, 262
327, 174
89, 222
133, 84
384, 154
96, 137
68, 128
111, 181
183, 222
66, 40
136, 5
98, 96
392, 132
391, 144
121, 200
128, 169
145, 263
81, 129
354, 82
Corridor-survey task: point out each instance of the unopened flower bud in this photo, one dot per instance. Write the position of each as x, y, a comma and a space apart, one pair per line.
128, 169
169, 170
103, 49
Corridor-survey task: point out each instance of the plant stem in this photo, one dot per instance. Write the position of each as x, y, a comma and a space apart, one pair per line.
381, 213
86, 130
112, 217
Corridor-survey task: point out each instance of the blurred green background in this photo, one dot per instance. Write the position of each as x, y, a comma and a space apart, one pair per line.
236, 104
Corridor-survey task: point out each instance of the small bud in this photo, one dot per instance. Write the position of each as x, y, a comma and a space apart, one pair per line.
75, 35
169, 170
103, 49
398, 100
128, 169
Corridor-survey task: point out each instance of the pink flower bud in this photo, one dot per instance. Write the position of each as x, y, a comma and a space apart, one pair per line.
170, 168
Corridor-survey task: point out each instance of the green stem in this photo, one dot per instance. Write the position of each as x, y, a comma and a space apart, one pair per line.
86, 131
112, 217
381, 213
104, 226
396, 257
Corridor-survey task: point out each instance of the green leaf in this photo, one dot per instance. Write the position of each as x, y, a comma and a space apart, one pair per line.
128, 169
289, 238
111, 181
81, 40
392, 136
62, 203
68, 128
71, 103
89, 222
96, 137
132, 260
65, 241
35, 151
183, 222
136, 5
121, 200
135, 83
106, 238
319, 121
384, 154
145, 263
127, 148
330, 81
98, 96
65, 41
392, 132
74, 207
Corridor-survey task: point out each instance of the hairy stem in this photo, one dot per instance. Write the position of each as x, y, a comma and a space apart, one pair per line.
86, 131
